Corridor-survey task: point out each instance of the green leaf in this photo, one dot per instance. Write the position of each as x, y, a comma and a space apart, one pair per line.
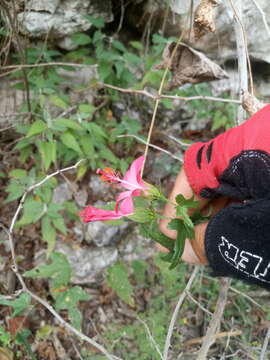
81, 39
58, 270
107, 154
132, 59
59, 224
188, 203
75, 317
69, 140
97, 21
183, 232
5, 337
119, 46
21, 338
44, 332
117, 279
17, 173
19, 304
139, 270
48, 234
53, 209
57, 101
70, 298
32, 212
37, 127
67, 123
48, 153
81, 170
137, 45
86, 108
15, 191
87, 145
152, 231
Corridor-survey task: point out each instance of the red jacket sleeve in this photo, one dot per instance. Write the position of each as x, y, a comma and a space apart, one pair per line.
205, 162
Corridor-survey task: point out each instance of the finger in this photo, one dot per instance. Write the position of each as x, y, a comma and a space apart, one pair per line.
181, 186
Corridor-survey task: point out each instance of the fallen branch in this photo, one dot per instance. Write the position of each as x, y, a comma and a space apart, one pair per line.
176, 311
216, 336
210, 336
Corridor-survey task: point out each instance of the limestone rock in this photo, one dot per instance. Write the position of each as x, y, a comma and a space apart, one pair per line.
102, 234
221, 45
41, 5
61, 18
87, 263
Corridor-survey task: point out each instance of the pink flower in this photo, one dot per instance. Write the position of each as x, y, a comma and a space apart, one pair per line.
132, 181
90, 213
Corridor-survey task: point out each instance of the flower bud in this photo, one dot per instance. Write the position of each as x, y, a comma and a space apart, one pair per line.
142, 215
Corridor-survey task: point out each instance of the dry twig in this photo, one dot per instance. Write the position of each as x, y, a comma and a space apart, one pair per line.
175, 313
152, 145
216, 319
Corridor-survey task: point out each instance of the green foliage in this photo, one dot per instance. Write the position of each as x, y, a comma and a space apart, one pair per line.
222, 115
69, 300
58, 271
19, 304
117, 279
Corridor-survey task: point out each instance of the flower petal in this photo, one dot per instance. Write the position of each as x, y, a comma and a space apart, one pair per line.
126, 206
133, 175
90, 213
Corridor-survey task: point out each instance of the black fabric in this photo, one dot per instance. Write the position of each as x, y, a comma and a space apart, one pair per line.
247, 177
237, 242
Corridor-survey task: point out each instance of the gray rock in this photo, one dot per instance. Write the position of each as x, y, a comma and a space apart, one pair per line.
136, 247
87, 264
37, 25
49, 6
81, 197
4, 240
221, 45
62, 193
97, 187
61, 18
102, 234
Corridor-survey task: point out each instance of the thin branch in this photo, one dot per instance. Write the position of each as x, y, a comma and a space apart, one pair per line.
265, 346
162, 96
244, 65
21, 280
198, 304
55, 63
14, 114
65, 324
178, 141
31, 188
153, 341
245, 296
216, 319
216, 336
175, 313
151, 145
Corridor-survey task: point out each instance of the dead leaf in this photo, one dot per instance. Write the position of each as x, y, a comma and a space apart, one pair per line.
251, 104
5, 354
204, 18
189, 66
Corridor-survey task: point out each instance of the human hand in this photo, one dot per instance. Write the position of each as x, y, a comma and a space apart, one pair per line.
235, 165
